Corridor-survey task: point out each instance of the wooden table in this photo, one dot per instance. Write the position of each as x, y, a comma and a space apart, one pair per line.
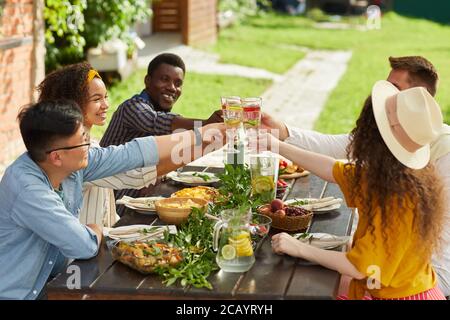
271, 277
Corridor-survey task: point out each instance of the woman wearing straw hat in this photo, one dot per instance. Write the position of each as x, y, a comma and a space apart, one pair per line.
399, 198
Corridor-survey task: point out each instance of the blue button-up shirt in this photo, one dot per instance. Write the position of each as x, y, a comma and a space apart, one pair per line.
38, 229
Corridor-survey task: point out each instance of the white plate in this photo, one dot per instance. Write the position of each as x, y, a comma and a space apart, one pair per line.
188, 178
139, 210
324, 209
324, 240
145, 204
135, 231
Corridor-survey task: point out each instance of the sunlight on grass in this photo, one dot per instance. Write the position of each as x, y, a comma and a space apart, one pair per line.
274, 58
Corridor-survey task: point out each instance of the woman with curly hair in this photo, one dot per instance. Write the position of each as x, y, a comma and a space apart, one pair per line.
399, 197
82, 84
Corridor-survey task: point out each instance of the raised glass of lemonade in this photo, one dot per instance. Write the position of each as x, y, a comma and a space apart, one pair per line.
232, 111
229, 100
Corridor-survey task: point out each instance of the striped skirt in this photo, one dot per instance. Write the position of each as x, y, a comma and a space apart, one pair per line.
432, 294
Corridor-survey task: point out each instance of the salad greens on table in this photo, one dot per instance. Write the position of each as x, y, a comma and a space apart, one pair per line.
195, 236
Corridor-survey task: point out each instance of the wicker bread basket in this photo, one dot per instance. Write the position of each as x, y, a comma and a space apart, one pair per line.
290, 223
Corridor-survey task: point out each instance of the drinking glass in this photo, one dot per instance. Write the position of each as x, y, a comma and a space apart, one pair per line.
232, 111
264, 175
230, 101
251, 108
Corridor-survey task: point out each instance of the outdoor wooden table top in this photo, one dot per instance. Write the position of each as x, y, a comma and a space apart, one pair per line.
271, 277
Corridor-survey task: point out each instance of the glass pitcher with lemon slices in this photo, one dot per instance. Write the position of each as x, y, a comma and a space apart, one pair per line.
264, 175
232, 241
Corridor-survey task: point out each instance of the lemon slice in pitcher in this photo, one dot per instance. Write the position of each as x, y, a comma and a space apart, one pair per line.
241, 235
244, 250
237, 242
228, 252
263, 184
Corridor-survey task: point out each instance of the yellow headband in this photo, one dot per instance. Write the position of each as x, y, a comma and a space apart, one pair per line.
92, 74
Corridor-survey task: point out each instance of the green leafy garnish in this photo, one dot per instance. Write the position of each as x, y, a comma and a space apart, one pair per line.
154, 252
299, 202
205, 177
194, 238
147, 230
235, 190
304, 235
147, 253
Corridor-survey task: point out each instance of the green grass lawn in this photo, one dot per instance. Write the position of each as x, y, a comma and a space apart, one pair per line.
201, 93
254, 43
256, 54
263, 41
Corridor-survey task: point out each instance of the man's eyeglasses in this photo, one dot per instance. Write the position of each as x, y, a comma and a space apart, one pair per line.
69, 148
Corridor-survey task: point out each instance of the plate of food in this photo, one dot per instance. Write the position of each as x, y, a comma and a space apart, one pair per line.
203, 192
145, 256
143, 204
138, 232
316, 205
290, 170
193, 178
324, 241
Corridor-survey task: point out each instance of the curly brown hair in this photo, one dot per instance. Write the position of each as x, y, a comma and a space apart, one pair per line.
421, 71
69, 82
378, 177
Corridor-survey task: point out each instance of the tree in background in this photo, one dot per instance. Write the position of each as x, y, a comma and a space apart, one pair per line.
109, 19
64, 23
243, 8
73, 26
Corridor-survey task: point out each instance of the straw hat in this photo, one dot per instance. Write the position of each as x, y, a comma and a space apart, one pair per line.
408, 121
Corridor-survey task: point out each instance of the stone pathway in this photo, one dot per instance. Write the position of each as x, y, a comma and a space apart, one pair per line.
199, 61
297, 97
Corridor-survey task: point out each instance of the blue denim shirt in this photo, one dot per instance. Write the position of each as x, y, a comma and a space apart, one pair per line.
38, 229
